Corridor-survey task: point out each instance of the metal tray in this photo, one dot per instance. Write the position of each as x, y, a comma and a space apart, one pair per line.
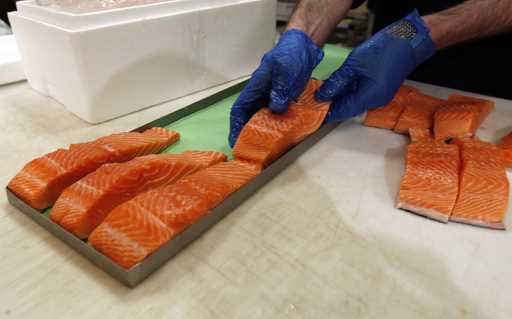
131, 277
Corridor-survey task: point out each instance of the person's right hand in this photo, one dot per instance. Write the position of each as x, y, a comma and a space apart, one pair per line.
281, 77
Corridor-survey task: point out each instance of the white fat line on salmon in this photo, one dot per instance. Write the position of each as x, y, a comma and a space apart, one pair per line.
32, 178
91, 188
124, 240
55, 164
72, 203
148, 213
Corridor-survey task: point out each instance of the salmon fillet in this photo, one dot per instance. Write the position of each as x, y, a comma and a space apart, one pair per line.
506, 145
484, 188
43, 179
457, 120
387, 116
84, 205
419, 135
461, 117
268, 135
418, 113
430, 183
485, 106
138, 227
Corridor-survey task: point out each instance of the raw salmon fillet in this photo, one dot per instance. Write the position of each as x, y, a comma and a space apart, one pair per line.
268, 135
461, 117
506, 145
484, 189
485, 106
138, 227
43, 179
456, 120
419, 135
418, 113
430, 183
84, 205
387, 116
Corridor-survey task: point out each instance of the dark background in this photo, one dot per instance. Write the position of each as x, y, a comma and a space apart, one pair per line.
6, 6
481, 66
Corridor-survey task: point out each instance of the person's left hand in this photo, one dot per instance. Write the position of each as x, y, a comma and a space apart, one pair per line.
374, 71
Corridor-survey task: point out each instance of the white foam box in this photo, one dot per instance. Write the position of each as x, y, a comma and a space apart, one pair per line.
11, 69
105, 64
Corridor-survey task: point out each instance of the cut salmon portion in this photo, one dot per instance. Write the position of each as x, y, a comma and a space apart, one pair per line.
461, 117
418, 113
484, 188
387, 116
419, 135
84, 205
268, 135
506, 145
430, 183
457, 120
138, 227
43, 179
485, 107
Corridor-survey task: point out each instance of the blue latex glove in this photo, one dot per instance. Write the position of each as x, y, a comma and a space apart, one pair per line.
281, 77
374, 71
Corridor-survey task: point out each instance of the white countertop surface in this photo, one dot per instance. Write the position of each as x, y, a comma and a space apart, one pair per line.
322, 240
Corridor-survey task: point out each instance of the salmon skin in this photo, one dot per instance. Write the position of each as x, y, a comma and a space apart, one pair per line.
418, 113
138, 227
268, 135
387, 116
506, 145
484, 187
84, 205
430, 183
461, 117
43, 179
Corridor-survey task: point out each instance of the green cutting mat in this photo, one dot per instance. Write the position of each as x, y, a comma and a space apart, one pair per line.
208, 129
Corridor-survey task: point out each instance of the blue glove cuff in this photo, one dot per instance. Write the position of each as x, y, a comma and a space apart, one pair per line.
422, 44
315, 51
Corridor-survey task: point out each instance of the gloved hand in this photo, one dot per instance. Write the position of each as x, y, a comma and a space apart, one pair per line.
281, 77
374, 71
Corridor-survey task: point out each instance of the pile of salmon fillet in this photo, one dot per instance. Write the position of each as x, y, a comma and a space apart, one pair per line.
127, 200
450, 174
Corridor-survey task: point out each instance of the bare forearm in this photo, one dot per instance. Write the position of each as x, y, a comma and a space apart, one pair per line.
470, 20
318, 18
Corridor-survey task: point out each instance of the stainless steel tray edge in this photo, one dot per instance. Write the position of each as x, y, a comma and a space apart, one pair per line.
155, 260
76, 243
139, 272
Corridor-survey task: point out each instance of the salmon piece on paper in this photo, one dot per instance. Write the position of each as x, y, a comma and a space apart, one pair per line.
84, 205
387, 116
43, 179
461, 117
418, 113
429, 186
485, 106
420, 135
138, 227
458, 120
484, 187
506, 145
